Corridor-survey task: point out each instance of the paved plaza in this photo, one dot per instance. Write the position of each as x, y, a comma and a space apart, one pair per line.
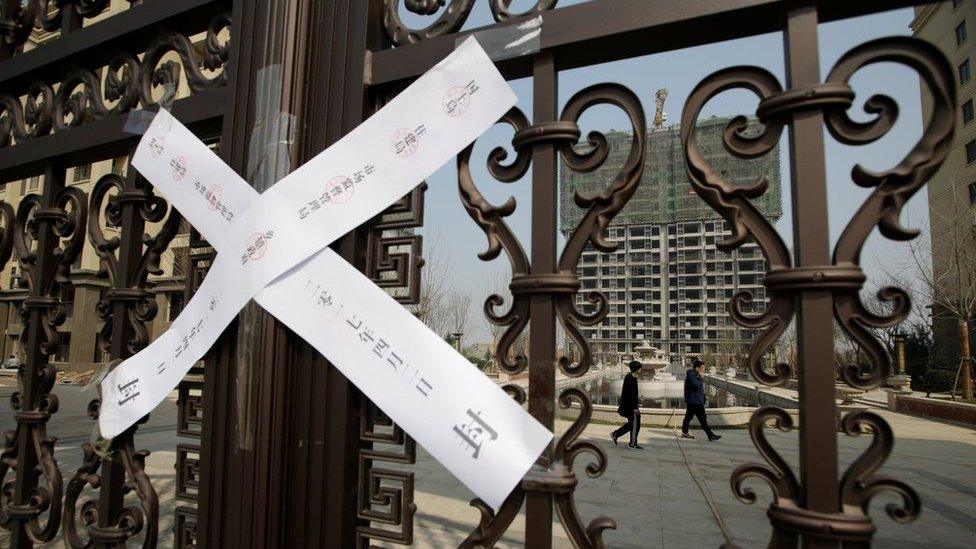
653, 494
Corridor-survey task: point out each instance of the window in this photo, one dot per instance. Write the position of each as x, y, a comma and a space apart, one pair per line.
960, 33
972, 194
82, 173
33, 183
964, 72
68, 300
970, 151
63, 348
967, 111
175, 305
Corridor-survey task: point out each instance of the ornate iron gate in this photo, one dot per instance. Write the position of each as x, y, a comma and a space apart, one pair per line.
287, 452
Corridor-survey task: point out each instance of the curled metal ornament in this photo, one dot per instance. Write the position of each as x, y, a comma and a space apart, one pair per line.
892, 188
89, 103
500, 11
110, 193
449, 21
859, 483
777, 474
491, 219
83, 96
600, 208
131, 519
567, 449
491, 525
153, 72
41, 500
18, 122
733, 202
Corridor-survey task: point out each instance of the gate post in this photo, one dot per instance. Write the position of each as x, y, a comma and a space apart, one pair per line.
280, 438
814, 309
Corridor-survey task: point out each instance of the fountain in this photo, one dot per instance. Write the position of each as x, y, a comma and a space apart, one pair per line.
652, 360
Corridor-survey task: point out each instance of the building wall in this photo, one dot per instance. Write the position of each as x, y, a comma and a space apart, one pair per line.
952, 191
79, 332
667, 282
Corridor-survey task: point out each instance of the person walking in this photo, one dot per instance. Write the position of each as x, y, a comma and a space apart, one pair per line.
695, 401
629, 408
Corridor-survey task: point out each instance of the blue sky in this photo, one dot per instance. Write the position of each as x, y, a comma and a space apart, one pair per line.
459, 239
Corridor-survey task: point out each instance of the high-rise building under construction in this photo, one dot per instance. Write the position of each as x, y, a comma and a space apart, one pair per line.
667, 283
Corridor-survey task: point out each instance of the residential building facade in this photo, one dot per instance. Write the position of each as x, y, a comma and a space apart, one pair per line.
952, 190
667, 283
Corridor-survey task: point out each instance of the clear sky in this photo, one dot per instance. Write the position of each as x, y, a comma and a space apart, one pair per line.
459, 239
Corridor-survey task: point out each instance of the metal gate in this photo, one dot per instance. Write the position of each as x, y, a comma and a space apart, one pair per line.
279, 450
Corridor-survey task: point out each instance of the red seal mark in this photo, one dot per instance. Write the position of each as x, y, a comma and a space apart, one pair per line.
213, 197
339, 189
456, 101
178, 165
257, 246
405, 142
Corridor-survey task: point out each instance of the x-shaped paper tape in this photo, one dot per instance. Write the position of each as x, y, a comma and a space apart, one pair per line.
272, 247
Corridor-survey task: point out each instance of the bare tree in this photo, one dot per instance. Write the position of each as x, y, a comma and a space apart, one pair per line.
950, 286
434, 280
457, 308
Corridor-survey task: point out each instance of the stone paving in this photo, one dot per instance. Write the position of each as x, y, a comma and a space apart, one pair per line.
651, 493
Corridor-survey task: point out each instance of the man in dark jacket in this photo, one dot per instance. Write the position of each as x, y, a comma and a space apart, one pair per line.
629, 408
695, 401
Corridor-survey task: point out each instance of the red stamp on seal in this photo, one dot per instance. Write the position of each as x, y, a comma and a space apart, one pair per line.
456, 101
405, 142
178, 165
213, 197
257, 246
339, 189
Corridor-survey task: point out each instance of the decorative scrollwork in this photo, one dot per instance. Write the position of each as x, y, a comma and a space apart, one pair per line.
500, 11
733, 202
491, 525
29, 446
859, 484
843, 278
18, 27
892, 188
566, 450
450, 20
600, 208
133, 201
31, 430
491, 219
777, 474
110, 192
131, 519
82, 96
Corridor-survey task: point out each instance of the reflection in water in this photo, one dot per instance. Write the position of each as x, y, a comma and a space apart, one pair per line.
659, 394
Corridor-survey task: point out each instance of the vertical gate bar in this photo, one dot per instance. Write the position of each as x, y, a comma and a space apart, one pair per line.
7, 9
542, 338
818, 412
27, 459
111, 494
71, 20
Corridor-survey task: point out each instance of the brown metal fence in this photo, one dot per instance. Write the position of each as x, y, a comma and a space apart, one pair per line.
64, 103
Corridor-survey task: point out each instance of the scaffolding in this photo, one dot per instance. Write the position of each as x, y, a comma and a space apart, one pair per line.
664, 194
